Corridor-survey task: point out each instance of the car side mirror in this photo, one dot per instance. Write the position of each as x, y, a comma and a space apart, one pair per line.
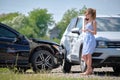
76, 30
19, 38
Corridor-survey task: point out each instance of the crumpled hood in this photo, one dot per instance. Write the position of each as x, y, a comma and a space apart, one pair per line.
44, 41
111, 36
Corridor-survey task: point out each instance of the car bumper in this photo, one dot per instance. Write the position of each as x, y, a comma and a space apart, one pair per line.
106, 56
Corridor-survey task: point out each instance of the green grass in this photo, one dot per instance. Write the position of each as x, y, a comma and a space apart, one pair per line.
31, 76
6, 74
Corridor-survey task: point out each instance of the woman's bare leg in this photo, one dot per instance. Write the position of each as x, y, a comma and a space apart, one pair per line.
89, 64
88, 60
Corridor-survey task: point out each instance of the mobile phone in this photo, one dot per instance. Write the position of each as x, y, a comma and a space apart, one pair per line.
86, 19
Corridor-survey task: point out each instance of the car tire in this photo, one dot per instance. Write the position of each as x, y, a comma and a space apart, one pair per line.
116, 69
66, 66
42, 60
83, 65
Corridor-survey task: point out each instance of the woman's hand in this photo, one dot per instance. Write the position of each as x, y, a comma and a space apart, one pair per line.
85, 30
91, 31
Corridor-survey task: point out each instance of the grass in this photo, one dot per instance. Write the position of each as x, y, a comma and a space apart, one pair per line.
36, 77
6, 74
32, 76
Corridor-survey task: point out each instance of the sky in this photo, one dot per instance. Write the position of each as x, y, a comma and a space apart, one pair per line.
59, 7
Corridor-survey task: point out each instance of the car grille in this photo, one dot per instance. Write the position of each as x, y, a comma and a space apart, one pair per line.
113, 44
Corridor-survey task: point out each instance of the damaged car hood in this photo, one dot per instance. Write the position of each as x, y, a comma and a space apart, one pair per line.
44, 41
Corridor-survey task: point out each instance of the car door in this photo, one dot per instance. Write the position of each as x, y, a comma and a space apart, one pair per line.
10, 48
77, 40
6, 38
69, 35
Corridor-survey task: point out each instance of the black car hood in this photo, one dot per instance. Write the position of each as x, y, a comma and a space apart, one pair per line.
44, 41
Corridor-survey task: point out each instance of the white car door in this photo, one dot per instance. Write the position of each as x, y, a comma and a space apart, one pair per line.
77, 41
69, 36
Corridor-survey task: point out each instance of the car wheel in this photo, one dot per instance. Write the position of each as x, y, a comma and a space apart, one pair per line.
66, 66
42, 60
116, 69
83, 65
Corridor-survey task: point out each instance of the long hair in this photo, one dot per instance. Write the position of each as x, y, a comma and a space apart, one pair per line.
92, 12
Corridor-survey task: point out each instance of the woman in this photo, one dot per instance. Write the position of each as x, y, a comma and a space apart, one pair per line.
89, 42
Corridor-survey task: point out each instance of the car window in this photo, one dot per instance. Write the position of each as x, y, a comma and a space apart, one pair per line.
79, 23
108, 23
4, 32
72, 24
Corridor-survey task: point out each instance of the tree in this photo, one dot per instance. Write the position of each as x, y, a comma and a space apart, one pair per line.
28, 31
21, 24
39, 20
8, 17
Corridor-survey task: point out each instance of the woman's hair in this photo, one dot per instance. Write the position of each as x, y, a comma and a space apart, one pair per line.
92, 12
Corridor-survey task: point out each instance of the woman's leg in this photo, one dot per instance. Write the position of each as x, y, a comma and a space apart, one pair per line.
88, 60
89, 64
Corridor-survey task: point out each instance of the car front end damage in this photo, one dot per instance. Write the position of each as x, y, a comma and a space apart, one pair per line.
54, 48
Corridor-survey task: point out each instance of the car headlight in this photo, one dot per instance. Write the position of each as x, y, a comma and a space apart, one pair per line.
56, 47
101, 44
59, 48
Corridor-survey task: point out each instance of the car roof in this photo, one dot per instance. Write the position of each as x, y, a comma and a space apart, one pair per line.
102, 16
108, 16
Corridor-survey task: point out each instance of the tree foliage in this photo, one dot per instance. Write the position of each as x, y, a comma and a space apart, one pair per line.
7, 17
39, 20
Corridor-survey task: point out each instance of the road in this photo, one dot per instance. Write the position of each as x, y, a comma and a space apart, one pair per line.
99, 73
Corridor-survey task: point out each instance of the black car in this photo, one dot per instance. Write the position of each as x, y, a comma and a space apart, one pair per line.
23, 53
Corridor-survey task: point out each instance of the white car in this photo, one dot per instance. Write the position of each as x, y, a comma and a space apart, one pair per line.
107, 52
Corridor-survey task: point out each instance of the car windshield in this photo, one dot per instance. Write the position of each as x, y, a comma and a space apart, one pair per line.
108, 23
